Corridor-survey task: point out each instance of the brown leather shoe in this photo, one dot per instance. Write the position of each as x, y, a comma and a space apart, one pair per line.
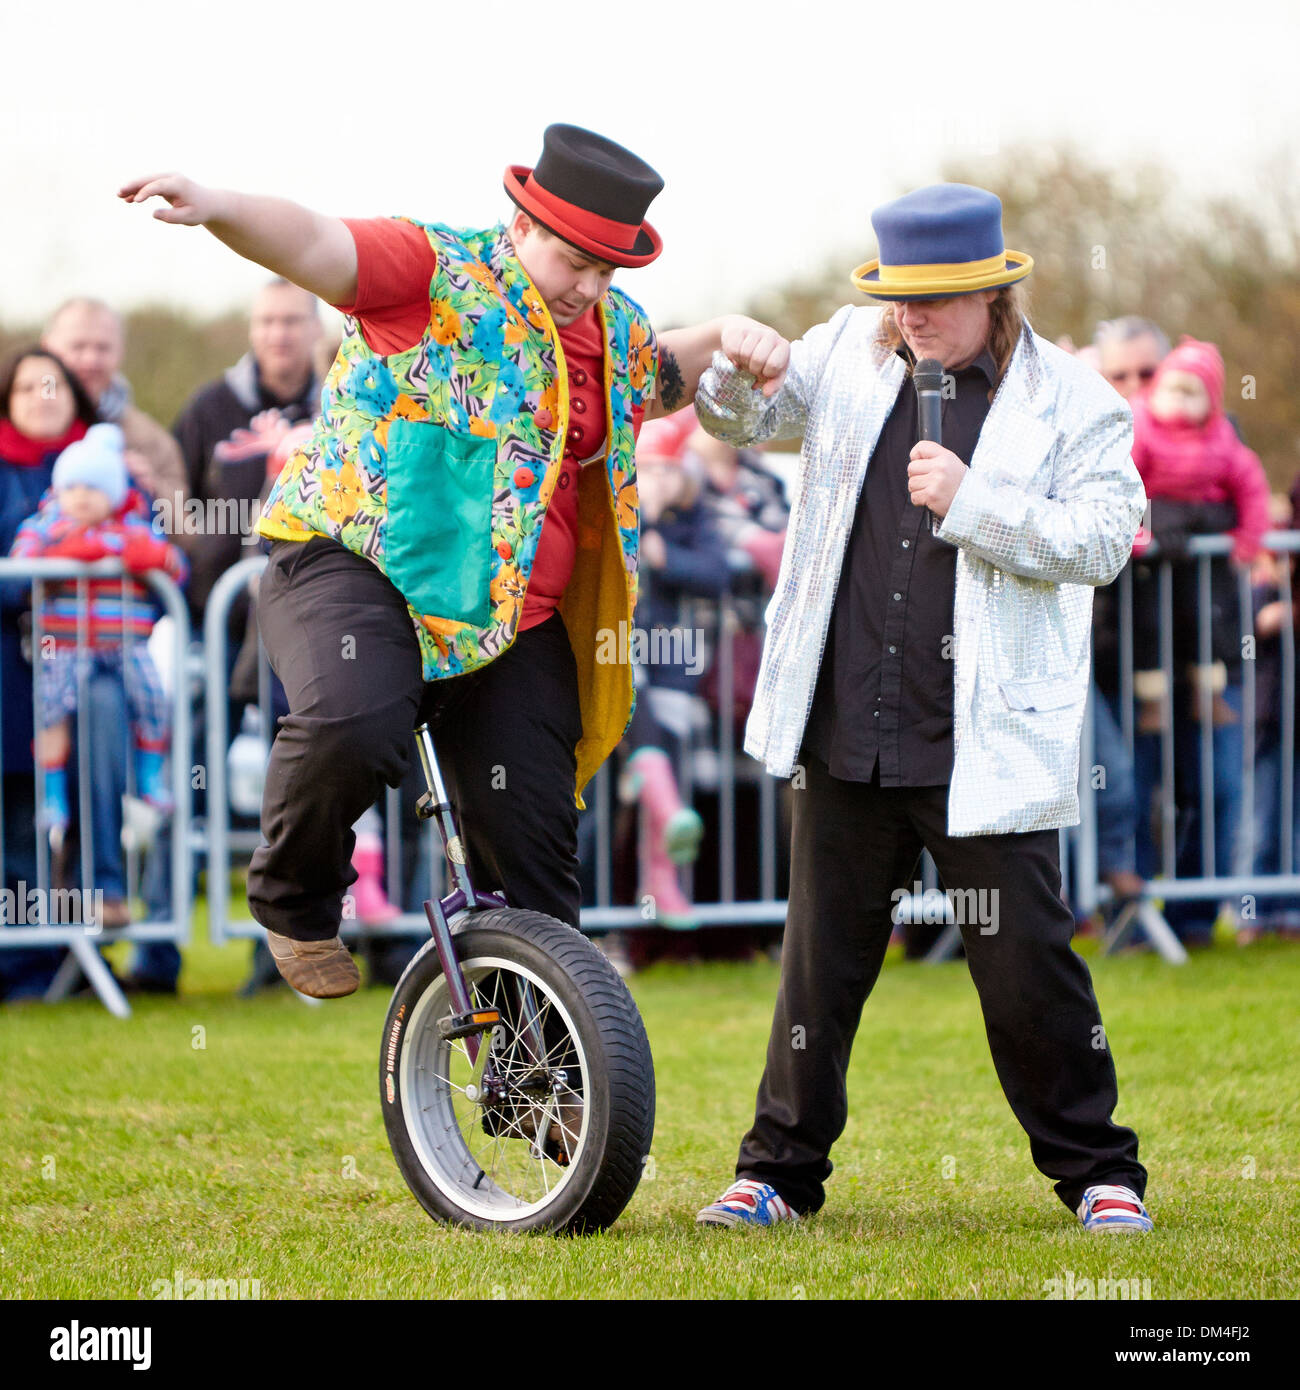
323, 969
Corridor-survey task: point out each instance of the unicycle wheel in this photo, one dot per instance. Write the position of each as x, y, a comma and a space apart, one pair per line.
550, 1127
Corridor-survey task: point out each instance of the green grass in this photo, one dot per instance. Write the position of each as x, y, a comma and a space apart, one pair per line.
130, 1153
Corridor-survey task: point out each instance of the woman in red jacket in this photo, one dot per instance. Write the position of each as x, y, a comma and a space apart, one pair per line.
42, 410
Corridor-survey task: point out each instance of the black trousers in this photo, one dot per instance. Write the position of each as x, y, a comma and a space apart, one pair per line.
853, 844
339, 637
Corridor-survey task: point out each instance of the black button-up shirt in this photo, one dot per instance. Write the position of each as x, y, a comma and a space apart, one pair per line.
884, 692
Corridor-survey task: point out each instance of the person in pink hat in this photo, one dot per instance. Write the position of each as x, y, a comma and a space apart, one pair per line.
1200, 478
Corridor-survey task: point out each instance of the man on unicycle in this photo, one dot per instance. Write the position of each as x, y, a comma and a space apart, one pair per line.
462, 523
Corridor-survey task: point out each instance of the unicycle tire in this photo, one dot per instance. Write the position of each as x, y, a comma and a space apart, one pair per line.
554, 1134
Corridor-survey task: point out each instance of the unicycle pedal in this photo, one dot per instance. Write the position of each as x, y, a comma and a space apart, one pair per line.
462, 1025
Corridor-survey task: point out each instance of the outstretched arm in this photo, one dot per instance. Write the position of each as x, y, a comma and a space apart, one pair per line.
312, 250
685, 353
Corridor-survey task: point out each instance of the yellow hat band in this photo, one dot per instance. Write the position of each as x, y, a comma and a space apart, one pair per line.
935, 279
915, 274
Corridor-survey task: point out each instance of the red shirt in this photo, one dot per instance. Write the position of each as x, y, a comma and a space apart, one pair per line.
395, 264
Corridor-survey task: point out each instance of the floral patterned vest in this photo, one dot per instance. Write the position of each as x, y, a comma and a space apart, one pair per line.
437, 464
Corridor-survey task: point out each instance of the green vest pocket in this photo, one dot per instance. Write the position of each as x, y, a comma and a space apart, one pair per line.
439, 544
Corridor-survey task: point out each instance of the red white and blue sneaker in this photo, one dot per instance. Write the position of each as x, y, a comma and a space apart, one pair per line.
1107, 1207
747, 1203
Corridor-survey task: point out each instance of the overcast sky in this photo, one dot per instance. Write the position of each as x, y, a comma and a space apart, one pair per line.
777, 126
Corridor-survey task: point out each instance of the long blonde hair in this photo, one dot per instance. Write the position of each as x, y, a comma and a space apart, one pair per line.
1007, 315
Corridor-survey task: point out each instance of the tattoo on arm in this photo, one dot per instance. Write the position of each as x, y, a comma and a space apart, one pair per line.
672, 390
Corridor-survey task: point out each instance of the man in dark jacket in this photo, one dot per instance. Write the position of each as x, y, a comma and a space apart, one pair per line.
227, 428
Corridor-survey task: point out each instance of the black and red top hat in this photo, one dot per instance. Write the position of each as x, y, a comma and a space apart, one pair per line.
591, 193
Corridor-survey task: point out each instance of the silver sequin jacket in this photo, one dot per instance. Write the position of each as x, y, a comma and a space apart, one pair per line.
1048, 509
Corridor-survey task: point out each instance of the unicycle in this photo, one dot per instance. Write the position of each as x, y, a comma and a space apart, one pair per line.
515, 1075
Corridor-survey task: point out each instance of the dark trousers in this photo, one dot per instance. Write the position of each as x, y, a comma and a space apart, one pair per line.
853, 844
339, 637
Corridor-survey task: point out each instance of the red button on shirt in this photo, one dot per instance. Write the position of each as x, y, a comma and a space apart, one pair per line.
584, 355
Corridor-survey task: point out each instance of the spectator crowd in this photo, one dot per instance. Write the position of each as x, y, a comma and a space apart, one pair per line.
86, 475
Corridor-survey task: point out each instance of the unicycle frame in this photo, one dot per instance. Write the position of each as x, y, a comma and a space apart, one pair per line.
511, 1024
435, 805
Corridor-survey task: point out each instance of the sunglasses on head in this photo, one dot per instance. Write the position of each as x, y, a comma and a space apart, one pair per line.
1142, 374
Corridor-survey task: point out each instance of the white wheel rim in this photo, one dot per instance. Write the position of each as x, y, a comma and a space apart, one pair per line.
499, 1177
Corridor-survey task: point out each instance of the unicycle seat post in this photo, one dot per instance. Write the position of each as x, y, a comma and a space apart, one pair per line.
429, 761
436, 805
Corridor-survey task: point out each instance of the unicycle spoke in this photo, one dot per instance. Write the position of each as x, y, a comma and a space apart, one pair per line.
513, 1115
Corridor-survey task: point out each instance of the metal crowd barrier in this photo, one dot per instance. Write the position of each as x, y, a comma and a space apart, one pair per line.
711, 766
221, 838
81, 938
1217, 883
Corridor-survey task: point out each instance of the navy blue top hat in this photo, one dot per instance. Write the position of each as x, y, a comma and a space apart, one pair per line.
939, 242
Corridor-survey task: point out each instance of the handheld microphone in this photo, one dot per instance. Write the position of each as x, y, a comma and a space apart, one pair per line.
927, 377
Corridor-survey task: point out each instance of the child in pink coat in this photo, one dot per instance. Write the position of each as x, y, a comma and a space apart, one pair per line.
1199, 477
